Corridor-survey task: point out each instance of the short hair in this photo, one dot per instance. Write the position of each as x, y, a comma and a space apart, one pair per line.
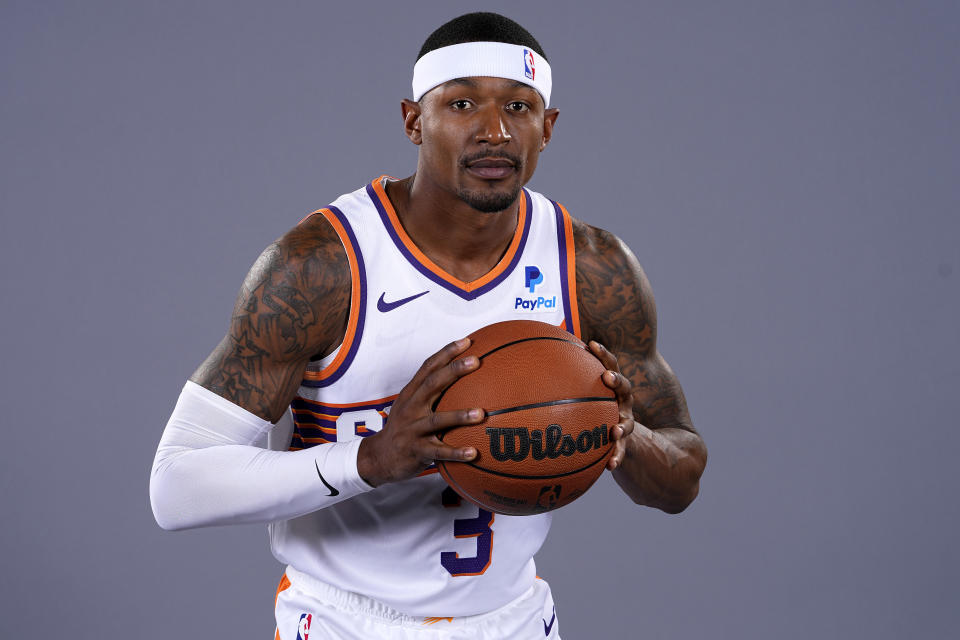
480, 26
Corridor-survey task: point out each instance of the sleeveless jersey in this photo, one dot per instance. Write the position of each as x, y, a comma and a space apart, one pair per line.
414, 545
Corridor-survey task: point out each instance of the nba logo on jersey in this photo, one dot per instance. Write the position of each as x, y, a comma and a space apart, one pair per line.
303, 629
528, 68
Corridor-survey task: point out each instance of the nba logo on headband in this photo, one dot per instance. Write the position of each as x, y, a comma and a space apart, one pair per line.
470, 59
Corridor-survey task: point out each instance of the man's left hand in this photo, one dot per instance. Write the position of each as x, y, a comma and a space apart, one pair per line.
622, 388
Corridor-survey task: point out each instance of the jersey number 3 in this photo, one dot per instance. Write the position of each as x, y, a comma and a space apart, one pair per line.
478, 528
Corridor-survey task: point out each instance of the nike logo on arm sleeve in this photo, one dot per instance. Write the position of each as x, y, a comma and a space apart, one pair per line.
333, 492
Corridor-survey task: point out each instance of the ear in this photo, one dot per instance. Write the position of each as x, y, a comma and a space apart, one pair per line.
549, 119
411, 120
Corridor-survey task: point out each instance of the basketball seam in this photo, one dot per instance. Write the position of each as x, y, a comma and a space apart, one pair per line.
510, 344
550, 403
436, 402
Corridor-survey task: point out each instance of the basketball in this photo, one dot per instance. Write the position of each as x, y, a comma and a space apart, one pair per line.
546, 436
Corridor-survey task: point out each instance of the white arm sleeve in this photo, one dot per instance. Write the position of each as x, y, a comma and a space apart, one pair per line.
207, 472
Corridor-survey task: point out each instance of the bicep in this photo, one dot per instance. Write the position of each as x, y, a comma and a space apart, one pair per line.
618, 310
250, 377
292, 306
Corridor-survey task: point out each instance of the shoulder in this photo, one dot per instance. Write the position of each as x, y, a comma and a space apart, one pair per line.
599, 253
301, 283
292, 307
314, 251
590, 240
613, 294
309, 257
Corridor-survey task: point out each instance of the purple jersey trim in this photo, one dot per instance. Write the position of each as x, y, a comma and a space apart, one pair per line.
336, 375
565, 284
307, 424
449, 286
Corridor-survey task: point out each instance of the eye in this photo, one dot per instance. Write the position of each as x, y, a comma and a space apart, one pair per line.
460, 105
518, 107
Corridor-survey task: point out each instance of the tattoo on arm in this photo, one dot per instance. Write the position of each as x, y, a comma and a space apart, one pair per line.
292, 306
618, 311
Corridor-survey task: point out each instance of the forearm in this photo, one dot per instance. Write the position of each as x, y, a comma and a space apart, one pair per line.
662, 468
207, 473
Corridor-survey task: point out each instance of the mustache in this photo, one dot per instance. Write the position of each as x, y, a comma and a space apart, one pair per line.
517, 161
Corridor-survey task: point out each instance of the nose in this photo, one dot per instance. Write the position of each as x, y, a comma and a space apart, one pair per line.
491, 128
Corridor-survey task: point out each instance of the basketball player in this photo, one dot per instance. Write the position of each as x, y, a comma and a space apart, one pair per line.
347, 329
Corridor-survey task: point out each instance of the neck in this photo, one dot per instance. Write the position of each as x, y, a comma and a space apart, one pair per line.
464, 242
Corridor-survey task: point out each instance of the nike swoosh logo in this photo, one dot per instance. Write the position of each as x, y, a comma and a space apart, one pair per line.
548, 627
333, 492
383, 306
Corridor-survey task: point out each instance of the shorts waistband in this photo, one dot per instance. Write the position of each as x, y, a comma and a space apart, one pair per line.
356, 603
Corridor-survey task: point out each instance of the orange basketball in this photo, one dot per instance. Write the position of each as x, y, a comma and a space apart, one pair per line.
546, 436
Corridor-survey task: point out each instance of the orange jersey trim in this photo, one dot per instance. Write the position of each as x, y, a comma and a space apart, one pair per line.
322, 416
351, 405
426, 262
355, 309
314, 441
571, 272
283, 586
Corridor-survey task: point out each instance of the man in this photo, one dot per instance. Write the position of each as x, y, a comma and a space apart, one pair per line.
333, 352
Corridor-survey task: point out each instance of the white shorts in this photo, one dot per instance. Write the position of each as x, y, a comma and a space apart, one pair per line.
308, 609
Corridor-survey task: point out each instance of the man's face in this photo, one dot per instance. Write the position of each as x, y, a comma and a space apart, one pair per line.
480, 138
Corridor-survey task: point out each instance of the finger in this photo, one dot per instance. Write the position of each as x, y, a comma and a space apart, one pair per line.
608, 359
442, 420
618, 434
622, 388
438, 381
440, 359
434, 449
621, 430
619, 450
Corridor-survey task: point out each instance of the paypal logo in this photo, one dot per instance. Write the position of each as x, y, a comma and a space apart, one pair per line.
532, 277
536, 303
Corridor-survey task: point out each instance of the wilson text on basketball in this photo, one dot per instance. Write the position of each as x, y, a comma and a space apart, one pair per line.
517, 443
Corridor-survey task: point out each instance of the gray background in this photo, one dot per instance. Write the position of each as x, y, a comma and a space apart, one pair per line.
786, 172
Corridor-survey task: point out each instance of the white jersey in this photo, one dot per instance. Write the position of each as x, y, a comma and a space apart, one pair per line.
414, 545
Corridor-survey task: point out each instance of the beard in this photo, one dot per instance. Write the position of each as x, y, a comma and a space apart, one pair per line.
489, 201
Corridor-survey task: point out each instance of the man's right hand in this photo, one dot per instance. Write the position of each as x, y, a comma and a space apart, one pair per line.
408, 442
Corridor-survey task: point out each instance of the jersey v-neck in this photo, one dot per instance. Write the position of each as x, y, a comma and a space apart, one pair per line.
426, 266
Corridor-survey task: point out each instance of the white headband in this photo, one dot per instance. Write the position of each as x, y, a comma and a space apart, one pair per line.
470, 59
